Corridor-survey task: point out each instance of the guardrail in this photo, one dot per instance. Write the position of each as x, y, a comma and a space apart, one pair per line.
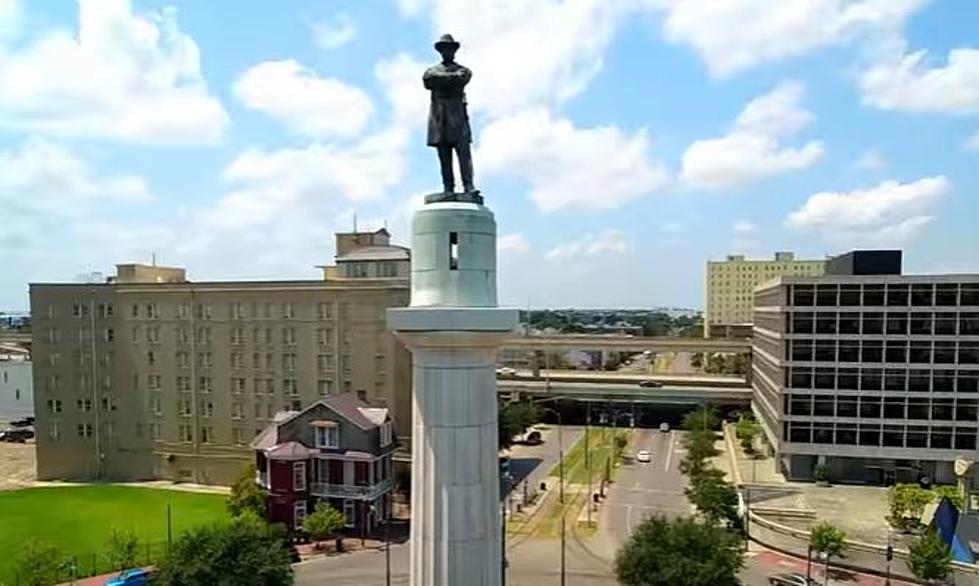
368, 492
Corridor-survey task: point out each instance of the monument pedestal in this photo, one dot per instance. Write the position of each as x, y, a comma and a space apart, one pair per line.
453, 329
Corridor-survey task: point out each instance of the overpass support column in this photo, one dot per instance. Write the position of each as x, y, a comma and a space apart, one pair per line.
535, 362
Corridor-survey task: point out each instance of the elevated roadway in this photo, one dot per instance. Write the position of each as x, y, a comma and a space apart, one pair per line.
665, 395
618, 377
628, 343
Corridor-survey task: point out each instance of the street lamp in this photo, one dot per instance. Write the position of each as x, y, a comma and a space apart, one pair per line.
560, 441
387, 544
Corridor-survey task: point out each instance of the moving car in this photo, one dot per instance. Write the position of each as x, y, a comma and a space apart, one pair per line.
643, 456
134, 577
651, 384
790, 579
664, 427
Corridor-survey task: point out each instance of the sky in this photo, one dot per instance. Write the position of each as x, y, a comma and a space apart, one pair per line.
620, 143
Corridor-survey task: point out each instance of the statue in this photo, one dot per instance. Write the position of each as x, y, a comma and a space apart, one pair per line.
448, 120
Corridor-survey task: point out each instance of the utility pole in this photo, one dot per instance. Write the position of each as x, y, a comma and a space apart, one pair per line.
588, 459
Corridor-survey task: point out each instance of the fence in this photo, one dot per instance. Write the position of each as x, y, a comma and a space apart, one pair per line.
84, 565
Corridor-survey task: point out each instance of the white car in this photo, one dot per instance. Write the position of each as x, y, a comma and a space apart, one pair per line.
506, 372
664, 427
643, 456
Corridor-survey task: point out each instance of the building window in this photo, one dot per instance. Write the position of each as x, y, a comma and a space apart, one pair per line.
156, 404
287, 310
324, 310
290, 387
328, 436
54, 405
299, 514
154, 381
288, 335
350, 512
54, 432
207, 434
84, 430
238, 336
386, 434
185, 434
324, 387
205, 384
299, 476
238, 385
183, 311
324, 336
207, 409
237, 312
153, 334
237, 410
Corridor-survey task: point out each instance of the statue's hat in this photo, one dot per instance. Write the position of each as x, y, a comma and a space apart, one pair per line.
446, 40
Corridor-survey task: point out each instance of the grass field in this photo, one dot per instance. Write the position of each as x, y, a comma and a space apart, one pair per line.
600, 448
77, 520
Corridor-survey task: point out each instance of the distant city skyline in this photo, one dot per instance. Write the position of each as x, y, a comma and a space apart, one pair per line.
641, 140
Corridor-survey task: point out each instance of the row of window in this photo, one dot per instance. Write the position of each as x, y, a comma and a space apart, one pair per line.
236, 310
880, 295
876, 435
889, 351
875, 407
880, 323
877, 379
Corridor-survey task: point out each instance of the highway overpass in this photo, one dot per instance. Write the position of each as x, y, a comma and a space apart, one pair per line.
628, 343
632, 393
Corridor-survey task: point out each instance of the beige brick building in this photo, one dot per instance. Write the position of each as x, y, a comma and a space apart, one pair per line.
150, 375
730, 288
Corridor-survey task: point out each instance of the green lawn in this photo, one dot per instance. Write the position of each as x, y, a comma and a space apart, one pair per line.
600, 449
78, 519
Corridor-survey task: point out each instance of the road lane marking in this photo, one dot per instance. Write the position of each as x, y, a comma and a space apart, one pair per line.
669, 451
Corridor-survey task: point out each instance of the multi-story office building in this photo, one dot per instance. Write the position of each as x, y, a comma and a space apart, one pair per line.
149, 375
874, 375
730, 289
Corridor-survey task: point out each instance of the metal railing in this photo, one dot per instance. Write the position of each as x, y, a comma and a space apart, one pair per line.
367, 492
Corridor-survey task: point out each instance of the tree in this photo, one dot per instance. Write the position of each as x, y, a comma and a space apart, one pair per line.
122, 549
746, 429
930, 558
907, 503
951, 493
827, 539
714, 498
246, 495
699, 447
703, 418
514, 419
323, 522
245, 552
664, 552
40, 564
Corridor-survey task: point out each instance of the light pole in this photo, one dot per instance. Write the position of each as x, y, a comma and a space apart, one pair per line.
587, 459
387, 545
560, 467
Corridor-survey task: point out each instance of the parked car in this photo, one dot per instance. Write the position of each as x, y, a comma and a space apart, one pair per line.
650, 384
664, 427
643, 456
533, 439
18, 435
790, 579
25, 422
133, 577
506, 372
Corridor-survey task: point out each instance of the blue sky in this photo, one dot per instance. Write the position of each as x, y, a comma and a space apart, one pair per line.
621, 143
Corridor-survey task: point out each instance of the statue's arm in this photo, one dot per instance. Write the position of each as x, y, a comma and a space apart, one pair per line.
435, 79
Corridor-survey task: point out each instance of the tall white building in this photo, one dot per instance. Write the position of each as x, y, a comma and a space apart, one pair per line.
731, 282
16, 388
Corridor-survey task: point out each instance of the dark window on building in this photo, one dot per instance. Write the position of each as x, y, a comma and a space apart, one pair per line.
893, 436
846, 406
921, 295
453, 251
965, 410
941, 437
847, 379
965, 439
849, 351
799, 432
823, 406
872, 351
800, 404
897, 295
870, 407
969, 324
944, 352
870, 379
850, 295
920, 352
947, 295
825, 378
894, 407
969, 294
918, 408
822, 433
873, 323
869, 435
802, 295
802, 350
849, 323
943, 381
897, 323
941, 409
873, 295
826, 295
968, 381
918, 381
846, 434
968, 352
802, 323
921, 324
826, 323
896, 351
801, 378
917, 437
945, 324
825, 350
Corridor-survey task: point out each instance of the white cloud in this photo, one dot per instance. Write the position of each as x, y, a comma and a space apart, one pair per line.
871, 160
570, 168
515, 243
124, 76
607, 242
910, 84
743, 227
401, 75
972, 143
525, 53
10, 17
734, 35
306, 103
889, 212
334, 32
752, 150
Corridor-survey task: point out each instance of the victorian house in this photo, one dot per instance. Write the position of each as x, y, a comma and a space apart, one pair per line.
336, 450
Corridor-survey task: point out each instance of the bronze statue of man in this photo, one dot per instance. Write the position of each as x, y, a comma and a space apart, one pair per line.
448, 120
